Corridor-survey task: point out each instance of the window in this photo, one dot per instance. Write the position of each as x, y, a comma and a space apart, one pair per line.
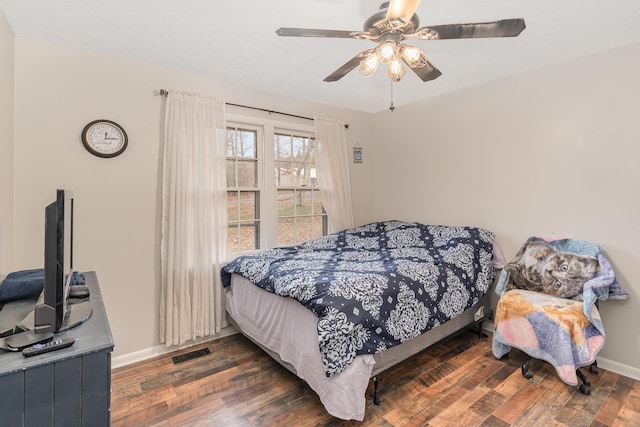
300, 215
243, 184
271, 209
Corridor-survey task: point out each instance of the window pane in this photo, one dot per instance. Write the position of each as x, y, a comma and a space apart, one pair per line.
286, 203
243, 207
282, 147
232, 206
311, 158
306, 175
299, 172
286, 232
247, 173
303, 229
231, 138
300, 148
317, 203
280, 169
318, 226
284, 174
232, 239
247, 144
303, 202
248, 233
313, 180
248, 205
231, 173
296, 180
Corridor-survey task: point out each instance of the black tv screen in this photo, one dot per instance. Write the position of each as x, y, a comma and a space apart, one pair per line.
58, 263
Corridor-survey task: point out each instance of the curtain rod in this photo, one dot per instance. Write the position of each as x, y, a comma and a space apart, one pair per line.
346, 126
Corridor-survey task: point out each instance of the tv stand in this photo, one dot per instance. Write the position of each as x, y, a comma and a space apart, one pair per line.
71, 386
76, 314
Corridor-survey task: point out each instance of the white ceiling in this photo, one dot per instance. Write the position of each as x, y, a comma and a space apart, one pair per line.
235, 41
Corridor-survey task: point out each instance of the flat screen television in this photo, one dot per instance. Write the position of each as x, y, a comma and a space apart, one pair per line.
52, 313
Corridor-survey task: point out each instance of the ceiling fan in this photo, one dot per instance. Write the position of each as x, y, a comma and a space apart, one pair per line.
394, 23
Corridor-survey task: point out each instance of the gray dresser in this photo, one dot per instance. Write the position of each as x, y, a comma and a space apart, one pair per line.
67, 387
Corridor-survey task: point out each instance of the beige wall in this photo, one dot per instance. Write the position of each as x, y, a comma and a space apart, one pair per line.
6, 146
117, 206
548, 151
553, 150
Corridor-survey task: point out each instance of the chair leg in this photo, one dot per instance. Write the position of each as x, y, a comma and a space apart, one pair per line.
585, 387
525, 369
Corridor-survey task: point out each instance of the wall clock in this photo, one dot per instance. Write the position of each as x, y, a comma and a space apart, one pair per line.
104, 138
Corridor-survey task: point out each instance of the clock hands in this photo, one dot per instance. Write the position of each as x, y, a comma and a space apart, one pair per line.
106, 136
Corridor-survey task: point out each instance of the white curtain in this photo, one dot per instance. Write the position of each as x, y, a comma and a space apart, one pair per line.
194, 218
332, 165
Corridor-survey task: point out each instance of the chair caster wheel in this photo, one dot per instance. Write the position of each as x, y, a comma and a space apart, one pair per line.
525, 373
594, 369
585, 389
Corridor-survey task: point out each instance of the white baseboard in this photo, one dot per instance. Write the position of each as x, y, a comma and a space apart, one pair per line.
159, 350
619, 368
607, 364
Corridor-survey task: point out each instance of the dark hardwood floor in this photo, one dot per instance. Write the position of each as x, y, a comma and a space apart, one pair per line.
457, 383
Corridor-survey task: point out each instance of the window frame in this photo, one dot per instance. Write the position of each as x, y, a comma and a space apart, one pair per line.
259, 185
266, 179
297, 188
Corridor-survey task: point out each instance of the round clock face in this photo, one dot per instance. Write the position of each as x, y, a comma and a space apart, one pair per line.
104, 138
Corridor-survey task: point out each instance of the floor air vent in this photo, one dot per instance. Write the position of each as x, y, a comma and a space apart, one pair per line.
190, 356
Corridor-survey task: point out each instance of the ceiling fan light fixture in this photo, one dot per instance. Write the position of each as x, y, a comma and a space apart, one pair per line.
413, 56
387, 51
395, 22
396, 70
369, 65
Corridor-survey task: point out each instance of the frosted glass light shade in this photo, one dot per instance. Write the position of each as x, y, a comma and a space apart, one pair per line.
369, 65
413, 56
396, 70
387, 51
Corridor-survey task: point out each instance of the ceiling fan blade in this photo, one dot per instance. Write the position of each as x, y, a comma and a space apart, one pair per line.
402, 9
428, 72
503, 28
310, 32
348, 66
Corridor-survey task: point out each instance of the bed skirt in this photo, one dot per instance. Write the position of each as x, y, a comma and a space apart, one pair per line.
287, 331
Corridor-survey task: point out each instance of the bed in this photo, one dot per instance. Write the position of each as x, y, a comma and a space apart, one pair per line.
339, 310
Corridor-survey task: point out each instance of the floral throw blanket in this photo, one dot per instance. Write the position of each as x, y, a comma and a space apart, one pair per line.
547, 303
376, 286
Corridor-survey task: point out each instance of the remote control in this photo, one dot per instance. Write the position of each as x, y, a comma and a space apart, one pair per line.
56, 344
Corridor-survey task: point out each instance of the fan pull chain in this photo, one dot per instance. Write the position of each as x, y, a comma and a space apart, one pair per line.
391, 107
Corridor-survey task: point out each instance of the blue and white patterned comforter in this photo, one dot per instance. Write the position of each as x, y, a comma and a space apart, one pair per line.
376, 286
